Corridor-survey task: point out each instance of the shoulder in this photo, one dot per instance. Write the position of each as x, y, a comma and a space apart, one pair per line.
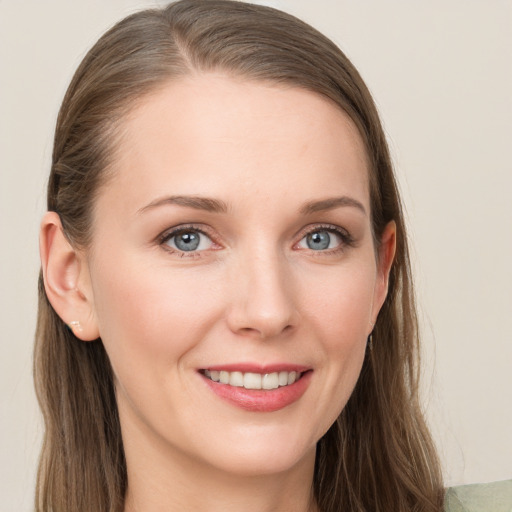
493, 497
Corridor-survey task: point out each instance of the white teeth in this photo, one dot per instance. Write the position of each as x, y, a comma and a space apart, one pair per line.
270, 381
292, 377
236, 379
253, 380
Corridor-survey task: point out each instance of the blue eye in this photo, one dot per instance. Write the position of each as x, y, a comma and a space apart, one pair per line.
188, 240
321, 240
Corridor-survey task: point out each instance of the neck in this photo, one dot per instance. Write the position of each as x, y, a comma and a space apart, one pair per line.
159, 481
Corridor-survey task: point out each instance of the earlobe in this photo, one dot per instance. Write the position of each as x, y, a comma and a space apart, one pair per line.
386, 256
66, 279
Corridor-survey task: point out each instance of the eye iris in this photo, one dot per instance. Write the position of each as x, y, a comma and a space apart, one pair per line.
318, 240
188, 241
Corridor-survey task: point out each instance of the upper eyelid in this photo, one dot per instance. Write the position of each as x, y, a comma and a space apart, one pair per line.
170, 232
324, 227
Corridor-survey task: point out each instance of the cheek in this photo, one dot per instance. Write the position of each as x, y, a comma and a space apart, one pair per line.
149, 314
341, 304
340, 312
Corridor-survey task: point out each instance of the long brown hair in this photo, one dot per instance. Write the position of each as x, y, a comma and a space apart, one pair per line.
378, 456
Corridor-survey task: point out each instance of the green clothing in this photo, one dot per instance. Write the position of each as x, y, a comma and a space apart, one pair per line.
493, 497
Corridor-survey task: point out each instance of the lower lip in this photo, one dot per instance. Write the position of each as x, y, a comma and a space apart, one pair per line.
256, 400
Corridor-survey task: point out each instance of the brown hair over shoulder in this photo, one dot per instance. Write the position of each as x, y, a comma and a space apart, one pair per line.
378, 455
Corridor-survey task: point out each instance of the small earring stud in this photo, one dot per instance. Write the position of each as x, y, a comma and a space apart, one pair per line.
370, 342
75, 325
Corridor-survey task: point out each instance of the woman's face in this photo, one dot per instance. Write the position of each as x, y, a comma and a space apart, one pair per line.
233, 242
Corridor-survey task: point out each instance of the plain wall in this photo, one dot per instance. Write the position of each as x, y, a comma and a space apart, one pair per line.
441, 74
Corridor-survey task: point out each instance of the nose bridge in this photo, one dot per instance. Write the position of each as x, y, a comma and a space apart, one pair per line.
263, 303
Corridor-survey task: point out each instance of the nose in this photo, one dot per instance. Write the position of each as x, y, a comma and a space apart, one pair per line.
262, 298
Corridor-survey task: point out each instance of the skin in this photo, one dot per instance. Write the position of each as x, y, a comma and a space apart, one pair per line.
254, 292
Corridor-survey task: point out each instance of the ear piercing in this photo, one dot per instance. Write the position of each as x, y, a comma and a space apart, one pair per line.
370, 342
75, 325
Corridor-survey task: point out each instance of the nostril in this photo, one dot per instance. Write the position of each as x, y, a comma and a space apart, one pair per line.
266, 332
263, 306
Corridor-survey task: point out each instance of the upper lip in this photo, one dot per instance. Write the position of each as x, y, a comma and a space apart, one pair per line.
258, 368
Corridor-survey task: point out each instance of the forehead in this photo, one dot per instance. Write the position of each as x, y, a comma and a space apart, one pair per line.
215, 135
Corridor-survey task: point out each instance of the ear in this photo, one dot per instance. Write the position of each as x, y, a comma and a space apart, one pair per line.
66, 279
385, 257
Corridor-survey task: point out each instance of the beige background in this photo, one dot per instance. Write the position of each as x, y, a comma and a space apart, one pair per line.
441, 73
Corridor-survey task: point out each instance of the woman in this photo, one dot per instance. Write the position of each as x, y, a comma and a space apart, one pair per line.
226, 314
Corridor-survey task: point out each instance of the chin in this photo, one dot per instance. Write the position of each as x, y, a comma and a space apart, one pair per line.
275, 460
259, 452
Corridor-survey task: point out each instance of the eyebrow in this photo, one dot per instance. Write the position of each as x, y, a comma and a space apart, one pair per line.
330, 204
217, 206
196, 202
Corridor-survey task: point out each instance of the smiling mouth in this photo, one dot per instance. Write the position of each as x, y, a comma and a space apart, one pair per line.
250, 380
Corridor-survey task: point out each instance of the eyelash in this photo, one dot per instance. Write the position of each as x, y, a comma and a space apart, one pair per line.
347, 240
168, 235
